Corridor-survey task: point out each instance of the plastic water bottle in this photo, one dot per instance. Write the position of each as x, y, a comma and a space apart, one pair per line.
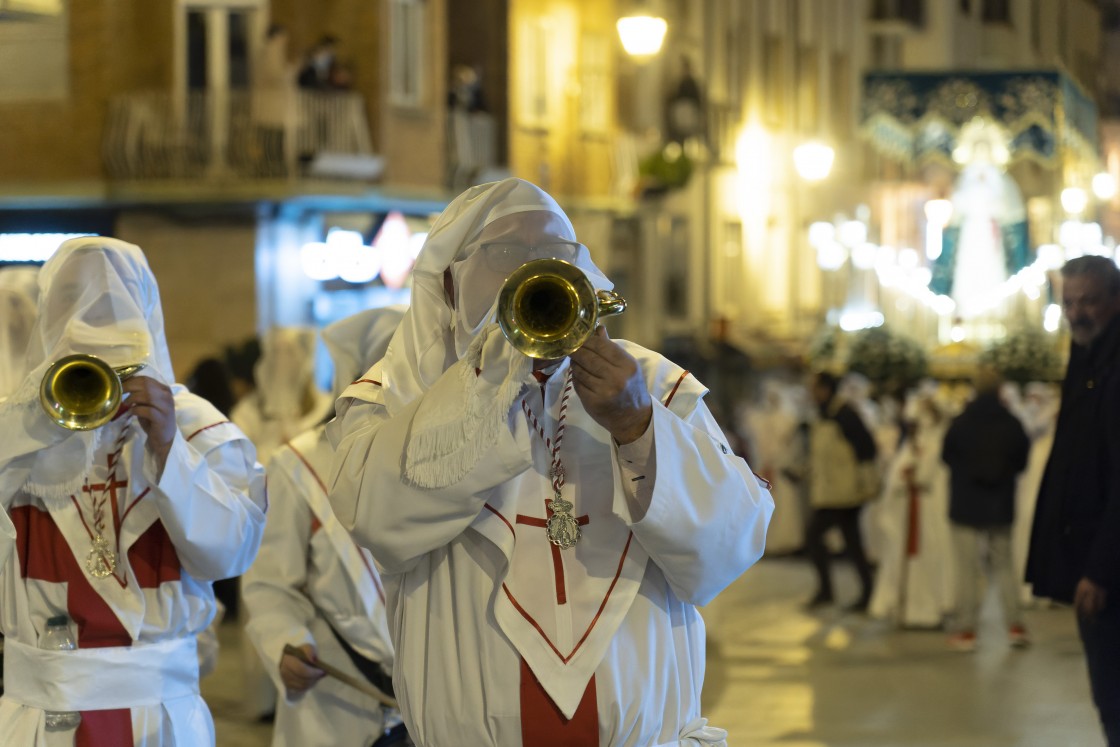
59, 638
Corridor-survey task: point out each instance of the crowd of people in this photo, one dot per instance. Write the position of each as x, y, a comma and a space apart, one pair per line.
963, 486
903, 512
463, 543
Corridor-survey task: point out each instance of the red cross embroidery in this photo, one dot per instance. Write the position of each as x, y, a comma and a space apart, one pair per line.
557, 562
111, 487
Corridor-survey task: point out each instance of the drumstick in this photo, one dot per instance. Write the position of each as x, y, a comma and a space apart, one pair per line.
353, 682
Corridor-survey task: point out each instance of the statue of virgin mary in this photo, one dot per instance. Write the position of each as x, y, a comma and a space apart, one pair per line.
986, 240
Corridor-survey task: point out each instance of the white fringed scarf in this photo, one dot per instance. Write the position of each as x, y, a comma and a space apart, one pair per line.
451, 432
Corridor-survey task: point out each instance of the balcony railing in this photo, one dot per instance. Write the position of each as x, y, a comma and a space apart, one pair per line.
472, 148
238, 135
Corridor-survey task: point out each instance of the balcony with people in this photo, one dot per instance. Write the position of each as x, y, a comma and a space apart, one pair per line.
237, 135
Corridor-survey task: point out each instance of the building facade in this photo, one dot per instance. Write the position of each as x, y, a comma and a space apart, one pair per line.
702, 177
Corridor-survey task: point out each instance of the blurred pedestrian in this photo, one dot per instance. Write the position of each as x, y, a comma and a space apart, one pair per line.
274, 103
241, 360
286, 401
210, 380
843, 476
316, 71
772, 425
914, 582
985, 448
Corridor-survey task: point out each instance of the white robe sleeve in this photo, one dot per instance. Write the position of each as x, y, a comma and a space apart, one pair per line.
707, 513
7, 538
19, 446
212, 504
279, 611
396, 521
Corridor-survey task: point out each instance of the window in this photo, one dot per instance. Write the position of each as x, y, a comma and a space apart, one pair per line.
1036, 25
406, 52
35, 59
886, 52
996, 11
773, 79
214, 43
1110, 16
911, 11
196, 50
594, 88
808, 89
234, 38
841, 114
534, 74
676, 277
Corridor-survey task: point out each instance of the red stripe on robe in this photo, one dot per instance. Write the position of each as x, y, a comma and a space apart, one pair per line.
542, 723
153, 559
913, 523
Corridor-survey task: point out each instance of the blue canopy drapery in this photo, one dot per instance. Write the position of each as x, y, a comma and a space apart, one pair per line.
917, 117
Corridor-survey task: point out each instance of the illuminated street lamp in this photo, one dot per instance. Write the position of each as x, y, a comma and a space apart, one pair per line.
813, 161
1074, 200
1104, 186
641, 34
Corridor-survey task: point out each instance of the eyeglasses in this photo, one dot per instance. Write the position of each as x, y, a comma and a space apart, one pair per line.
505, 256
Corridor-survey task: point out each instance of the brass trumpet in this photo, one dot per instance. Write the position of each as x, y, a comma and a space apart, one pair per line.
82, 392
548, 308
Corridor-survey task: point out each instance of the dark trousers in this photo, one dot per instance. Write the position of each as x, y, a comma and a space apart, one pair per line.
1101, 639
847, 519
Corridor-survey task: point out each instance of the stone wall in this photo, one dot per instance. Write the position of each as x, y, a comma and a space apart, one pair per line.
207, 278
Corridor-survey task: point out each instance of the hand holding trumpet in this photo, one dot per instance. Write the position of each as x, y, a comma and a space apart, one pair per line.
609, 383
153, 405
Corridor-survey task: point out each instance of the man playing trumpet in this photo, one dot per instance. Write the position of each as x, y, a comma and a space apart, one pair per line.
118, 530
545, 527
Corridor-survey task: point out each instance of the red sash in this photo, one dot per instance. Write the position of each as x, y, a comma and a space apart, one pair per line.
542, 723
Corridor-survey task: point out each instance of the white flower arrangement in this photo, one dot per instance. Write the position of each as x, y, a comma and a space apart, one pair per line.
1024, 355
890, 361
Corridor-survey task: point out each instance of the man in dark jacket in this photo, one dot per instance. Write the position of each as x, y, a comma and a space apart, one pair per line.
1075, 543
986, 448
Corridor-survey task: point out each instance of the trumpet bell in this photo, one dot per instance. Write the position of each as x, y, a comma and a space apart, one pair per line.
548, 308
82, 392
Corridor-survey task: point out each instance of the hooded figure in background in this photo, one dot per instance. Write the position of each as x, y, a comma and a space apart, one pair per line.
541, 526
914, 585
117, 531
286, 401
772, 424
19, 296
284, 404
313, 588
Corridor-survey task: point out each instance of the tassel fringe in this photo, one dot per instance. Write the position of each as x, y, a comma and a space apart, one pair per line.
445, 451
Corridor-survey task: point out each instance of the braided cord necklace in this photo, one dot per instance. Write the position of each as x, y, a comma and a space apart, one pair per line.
562, 527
